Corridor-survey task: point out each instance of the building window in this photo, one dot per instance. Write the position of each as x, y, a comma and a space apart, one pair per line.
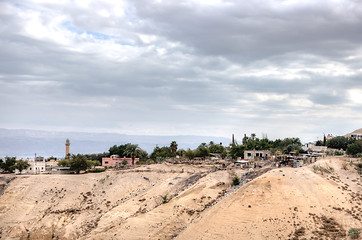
249, 154
30, 168
261, 155
257, 154
105, 162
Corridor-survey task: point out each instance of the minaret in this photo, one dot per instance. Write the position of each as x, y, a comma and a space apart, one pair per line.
67, 148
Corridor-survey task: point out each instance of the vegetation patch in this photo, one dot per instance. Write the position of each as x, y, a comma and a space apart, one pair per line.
165, 198
236, 181
96, 170
322, 170
354, 233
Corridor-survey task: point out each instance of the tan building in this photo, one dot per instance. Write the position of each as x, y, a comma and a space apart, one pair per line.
114, 159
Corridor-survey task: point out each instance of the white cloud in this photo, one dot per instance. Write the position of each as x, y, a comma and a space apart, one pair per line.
187, 67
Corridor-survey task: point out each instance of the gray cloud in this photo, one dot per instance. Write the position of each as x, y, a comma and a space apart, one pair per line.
181, 67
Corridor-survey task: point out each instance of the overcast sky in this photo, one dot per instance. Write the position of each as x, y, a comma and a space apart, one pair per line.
207, 67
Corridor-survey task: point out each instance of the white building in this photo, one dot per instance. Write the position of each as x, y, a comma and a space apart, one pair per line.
257, 154
36, 166
311, 147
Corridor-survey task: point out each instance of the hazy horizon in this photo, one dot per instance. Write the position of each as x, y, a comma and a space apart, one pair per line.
24, 143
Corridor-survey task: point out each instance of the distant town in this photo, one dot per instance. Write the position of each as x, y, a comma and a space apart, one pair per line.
284, 151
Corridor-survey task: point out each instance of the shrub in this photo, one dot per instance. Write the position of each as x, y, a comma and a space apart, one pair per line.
345, 166
354, 148
353, 233
164, 199
150, 161
96, 170
339, 153
322, 170
359, 167
236, 181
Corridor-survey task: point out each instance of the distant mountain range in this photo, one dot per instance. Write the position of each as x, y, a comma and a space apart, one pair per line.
24, 143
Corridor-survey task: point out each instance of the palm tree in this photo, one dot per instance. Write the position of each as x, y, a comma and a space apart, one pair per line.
253, 135
131, 150
173, 147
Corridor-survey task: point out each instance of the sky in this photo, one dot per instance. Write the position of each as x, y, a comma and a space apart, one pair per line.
162, 67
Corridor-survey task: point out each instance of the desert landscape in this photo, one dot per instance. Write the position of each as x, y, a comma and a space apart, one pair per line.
181, 201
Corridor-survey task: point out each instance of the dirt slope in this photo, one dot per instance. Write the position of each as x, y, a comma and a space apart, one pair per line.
114, 204
281, 204
287, 203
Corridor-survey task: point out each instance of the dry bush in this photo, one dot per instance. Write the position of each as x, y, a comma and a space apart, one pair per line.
345, 166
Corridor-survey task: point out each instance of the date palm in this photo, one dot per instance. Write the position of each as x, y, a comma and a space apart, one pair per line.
132, 150
173, 147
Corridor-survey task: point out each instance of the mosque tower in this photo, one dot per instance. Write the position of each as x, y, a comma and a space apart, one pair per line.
67, 148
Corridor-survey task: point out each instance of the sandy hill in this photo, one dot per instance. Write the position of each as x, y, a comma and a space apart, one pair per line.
287, 204
184, 202
358, 131
114, 204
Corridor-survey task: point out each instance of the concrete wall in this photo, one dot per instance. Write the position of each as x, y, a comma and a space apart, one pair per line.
257, 154
112, 160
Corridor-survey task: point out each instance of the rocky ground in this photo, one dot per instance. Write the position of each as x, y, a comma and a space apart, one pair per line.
166, 201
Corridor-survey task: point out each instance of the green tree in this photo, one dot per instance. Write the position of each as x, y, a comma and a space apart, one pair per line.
7, 166
78, 163
173, 147
236, 150
340, 142
131, 151
142, 154
253, 136
21, 165
202, 151
294, 147
64, 163
189, 154
161, 153
354, 148
92, 163
215, 148
119, 150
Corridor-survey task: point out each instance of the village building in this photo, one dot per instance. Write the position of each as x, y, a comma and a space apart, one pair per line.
257, 154
37, 166
311, 147
114, 159
357, 134
329, 137
241, 164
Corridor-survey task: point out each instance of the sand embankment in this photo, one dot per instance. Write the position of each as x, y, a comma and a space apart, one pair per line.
129, 204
